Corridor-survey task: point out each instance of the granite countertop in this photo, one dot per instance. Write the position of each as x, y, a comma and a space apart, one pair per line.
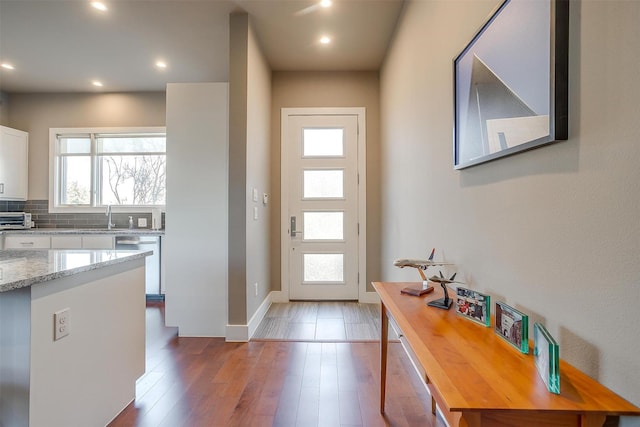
113, 231
23, 268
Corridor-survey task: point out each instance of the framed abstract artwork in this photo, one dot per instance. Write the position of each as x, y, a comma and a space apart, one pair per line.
511, 82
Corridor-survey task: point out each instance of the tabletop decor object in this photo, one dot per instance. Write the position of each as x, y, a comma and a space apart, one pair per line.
473, 305
513, 326
547, 356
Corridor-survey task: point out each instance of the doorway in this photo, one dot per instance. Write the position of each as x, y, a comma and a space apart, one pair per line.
323, 203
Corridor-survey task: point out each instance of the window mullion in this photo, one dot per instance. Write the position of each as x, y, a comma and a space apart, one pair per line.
95, 172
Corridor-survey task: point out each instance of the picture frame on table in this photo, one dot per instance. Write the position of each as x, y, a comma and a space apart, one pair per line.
511, 82
512, 325
546, 354
473, 305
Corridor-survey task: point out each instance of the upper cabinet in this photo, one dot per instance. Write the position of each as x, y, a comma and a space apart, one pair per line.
14, 160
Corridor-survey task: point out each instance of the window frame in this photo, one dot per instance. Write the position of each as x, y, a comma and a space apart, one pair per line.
54, 169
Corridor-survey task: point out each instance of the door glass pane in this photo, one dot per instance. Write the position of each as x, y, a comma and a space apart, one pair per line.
323, 225
323, 142
323, 183
323, 267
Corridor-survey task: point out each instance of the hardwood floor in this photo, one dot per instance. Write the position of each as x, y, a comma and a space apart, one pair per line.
194, 382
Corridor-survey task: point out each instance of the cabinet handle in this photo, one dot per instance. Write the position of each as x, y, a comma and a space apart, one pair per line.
1, 187
26, 243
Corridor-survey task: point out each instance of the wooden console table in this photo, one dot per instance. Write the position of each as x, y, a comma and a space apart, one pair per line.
477, 379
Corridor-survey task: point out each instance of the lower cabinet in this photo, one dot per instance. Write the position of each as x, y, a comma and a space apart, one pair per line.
27, 242
76, 241
93, 241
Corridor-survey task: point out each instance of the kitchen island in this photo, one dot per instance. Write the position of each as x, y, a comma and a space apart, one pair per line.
87, 376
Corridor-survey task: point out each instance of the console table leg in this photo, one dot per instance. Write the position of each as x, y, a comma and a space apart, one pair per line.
384, 342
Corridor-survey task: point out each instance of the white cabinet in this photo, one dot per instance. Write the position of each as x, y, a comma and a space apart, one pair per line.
76, 241
14, 161
90, 241
66, 242
27, 242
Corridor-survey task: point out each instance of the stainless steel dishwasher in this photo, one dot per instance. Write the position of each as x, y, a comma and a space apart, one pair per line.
152, 267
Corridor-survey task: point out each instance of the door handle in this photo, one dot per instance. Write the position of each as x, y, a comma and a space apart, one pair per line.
293, 227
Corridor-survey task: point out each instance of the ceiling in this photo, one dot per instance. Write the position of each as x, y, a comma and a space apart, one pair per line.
62, 45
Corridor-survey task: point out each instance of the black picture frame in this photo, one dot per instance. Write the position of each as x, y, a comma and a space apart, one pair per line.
511, 82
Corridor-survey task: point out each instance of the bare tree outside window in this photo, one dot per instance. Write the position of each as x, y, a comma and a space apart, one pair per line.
135, 180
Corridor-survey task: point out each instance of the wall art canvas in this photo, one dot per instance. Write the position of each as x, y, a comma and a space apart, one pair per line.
511, 82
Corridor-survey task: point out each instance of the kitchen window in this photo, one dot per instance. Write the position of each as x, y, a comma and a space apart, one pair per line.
93, 168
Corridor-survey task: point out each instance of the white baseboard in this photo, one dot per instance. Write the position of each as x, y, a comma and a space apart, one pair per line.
243, 333
369, 298
279, 296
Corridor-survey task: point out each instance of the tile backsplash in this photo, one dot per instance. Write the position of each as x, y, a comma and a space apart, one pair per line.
40, 215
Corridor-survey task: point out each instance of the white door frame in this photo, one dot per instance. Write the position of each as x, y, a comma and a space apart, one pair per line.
360, 112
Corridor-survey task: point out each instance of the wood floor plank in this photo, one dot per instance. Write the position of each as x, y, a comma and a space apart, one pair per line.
206, 382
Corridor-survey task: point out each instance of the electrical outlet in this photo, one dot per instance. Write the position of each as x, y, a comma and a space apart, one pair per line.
142, 222
256, 286
61, 323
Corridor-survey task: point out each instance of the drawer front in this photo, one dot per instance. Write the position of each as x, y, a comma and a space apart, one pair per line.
27, 242
66, 242
97, 242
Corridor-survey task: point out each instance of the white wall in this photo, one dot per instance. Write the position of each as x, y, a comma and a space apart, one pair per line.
196, 236
554, 231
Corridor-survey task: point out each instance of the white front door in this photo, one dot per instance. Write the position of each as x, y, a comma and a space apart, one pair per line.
321, 216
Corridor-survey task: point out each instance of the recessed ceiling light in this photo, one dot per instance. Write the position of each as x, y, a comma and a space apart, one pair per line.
99, 5
97, 83
325, 3
161, 64
7, 66
325, 40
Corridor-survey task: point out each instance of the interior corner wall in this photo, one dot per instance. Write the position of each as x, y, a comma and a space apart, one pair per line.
553, 231
37, 112
329, 89
238, 45
4, 109
258, 175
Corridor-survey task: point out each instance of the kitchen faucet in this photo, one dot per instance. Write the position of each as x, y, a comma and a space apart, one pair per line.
108, 214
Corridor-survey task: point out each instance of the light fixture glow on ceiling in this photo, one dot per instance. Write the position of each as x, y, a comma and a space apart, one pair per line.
7, 66
325, 3
325, 40
97, 83
99, 5
161, 64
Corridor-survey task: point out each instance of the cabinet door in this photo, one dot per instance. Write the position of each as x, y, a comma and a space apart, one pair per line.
14, 159
97, 242
66, 242
27, 242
